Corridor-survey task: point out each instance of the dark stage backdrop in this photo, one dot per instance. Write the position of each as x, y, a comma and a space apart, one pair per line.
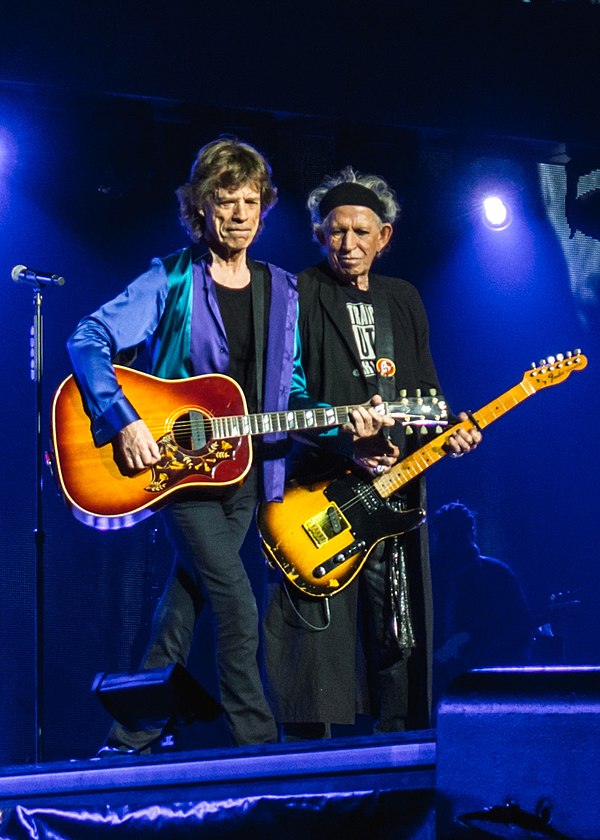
87, 190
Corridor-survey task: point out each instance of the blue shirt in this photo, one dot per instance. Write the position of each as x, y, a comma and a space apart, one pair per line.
162, 308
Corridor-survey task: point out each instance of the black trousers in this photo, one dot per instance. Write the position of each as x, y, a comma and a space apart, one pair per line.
207, 535
387, 661
386, 679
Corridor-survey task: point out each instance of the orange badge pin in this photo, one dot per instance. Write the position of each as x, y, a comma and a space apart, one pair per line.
385, 367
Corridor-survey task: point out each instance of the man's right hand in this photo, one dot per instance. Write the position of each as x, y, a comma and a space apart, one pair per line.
134, 448
375, 454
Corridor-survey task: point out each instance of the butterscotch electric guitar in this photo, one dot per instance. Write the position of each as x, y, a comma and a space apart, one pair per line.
322, 533
204, 434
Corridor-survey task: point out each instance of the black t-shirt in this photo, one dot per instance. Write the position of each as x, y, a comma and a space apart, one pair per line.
238, 319
359, 307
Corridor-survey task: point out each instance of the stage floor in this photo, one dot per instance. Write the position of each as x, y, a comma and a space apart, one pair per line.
376, 786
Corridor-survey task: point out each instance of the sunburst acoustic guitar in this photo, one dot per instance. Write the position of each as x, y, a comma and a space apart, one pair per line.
322, 533
204, 434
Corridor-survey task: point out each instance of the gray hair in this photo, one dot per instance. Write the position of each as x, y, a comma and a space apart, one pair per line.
381, 188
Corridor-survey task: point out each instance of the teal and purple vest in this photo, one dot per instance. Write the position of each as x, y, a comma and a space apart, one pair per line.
190, 340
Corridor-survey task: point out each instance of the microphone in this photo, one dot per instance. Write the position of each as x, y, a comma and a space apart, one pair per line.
22, 274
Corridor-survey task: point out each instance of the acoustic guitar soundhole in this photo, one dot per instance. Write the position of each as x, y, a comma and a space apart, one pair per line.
190, 431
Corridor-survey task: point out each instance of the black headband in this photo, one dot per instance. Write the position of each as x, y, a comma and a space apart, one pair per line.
350, 193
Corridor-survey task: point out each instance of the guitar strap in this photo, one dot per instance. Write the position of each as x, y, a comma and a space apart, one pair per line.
258, 315
384, 344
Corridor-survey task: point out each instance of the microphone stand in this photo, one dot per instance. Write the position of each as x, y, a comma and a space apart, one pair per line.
37, 370
22, 274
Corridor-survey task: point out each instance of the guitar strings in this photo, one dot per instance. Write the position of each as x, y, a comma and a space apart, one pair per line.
206, 424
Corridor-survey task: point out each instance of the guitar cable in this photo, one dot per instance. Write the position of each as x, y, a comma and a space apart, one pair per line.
301, 617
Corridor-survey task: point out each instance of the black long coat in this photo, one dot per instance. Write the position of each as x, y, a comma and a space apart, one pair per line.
320, 675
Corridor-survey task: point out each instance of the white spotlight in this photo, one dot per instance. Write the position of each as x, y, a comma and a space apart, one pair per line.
496, 214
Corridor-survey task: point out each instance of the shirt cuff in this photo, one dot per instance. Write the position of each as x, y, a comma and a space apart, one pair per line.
120, 414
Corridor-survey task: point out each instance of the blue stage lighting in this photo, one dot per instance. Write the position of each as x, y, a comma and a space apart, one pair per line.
6, 165
7, 152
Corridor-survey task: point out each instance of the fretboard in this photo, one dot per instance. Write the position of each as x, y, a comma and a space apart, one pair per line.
279, 421
420, 410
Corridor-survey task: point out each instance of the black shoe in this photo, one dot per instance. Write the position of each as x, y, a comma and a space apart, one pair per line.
108, 751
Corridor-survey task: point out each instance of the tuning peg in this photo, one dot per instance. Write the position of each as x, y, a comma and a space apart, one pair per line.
418, 392
578, 351
409, 430
541, 363
403, 392
568, 354
433, 392
559, 357
551, 360
438, 430
424, 430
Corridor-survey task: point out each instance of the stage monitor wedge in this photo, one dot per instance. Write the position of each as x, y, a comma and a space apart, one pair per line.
154, 699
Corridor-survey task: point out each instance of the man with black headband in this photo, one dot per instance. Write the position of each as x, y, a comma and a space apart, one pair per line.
362, 334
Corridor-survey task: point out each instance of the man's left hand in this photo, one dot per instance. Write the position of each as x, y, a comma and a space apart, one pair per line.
463, 440
368, 420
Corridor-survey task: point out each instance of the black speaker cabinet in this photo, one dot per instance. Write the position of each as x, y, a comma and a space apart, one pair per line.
518, 754
156, 698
